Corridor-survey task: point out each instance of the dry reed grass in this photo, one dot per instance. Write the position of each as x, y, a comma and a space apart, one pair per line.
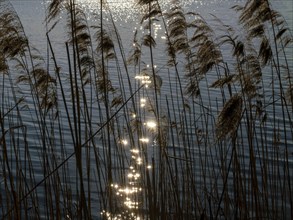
203, 157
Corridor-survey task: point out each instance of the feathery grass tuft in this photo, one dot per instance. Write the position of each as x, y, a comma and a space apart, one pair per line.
229, 118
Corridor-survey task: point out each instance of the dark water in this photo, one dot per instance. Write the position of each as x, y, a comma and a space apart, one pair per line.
33, 13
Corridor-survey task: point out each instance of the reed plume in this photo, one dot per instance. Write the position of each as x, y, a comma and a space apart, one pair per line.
15, 46
204, 53
229, 118
177, 33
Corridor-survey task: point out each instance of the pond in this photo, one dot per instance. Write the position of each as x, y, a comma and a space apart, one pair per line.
127, 127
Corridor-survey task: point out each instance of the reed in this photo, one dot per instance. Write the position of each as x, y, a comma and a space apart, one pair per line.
115, 136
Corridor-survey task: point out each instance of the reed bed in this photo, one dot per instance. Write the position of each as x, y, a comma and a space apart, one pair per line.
114, 136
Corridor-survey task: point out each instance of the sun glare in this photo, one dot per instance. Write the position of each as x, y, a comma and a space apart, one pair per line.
151, 124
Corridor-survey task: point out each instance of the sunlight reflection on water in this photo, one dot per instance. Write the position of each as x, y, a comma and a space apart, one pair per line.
129, 10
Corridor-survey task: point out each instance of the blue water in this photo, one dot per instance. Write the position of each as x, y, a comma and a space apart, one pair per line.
33, 13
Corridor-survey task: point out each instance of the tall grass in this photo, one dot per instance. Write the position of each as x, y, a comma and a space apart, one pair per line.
206, 136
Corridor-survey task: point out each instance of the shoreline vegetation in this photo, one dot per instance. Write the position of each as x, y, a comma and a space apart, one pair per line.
113, 136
